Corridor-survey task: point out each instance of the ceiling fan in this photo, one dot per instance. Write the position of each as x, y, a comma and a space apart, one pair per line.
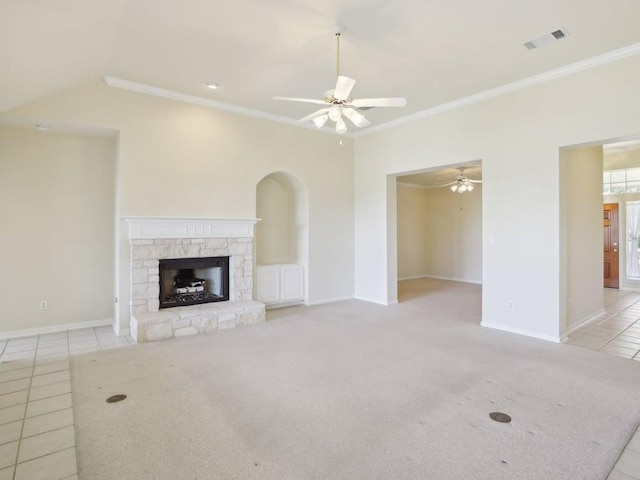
461, 184
338, 103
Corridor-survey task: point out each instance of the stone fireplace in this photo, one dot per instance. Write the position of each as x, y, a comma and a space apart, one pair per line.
175, 241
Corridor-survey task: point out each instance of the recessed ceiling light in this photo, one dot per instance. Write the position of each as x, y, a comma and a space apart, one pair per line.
212, 86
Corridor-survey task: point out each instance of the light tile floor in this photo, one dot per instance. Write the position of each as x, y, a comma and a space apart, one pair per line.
617, 333
37, 437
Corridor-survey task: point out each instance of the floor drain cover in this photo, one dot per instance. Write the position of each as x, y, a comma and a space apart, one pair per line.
116, 398
500, 417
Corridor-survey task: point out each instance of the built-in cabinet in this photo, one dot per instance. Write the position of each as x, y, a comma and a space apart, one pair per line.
277, 284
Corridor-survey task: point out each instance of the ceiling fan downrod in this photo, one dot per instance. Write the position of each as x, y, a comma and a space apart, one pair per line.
338, 54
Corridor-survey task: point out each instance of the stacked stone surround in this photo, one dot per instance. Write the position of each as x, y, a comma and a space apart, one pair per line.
180, 321
145, 261
149, 323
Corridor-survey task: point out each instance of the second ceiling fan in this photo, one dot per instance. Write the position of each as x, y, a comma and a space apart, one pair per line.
338, 103
461, 184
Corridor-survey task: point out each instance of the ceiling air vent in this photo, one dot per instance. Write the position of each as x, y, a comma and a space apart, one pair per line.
546, 39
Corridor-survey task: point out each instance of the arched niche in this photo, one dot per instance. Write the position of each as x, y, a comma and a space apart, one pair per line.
282, 202
282, 239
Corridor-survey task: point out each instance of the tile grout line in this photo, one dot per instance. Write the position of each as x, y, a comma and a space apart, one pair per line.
624, 330
609, 318
52, 430
52, 411
51, 453
24, 415
32, 364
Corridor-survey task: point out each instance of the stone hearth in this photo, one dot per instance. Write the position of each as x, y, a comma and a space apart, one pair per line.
152, 239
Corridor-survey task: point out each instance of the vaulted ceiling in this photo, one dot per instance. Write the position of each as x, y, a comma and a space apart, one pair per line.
429, 51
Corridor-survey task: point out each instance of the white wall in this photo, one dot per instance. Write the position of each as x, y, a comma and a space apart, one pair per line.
439, 233
517, 136
413, 231
581, 233
183, 160
56, 209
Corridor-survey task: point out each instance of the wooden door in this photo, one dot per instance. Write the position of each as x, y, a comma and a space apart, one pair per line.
611, 247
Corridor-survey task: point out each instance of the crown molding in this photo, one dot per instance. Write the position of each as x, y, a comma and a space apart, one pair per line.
570, 69
564, 71
115, 82
622, 146
415, 185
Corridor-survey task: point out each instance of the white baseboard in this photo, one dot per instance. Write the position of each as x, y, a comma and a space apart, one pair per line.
379, 302
28, 332
599, 315
453, 279
283, 304
518, 331
435, 277
122, 332
415, 277
625, 287
329, 300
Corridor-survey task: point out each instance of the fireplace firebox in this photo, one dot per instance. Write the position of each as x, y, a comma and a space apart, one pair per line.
192, 281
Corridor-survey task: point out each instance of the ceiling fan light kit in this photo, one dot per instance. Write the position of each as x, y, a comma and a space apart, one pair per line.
339, 104
461, 187
461, 184
321, 120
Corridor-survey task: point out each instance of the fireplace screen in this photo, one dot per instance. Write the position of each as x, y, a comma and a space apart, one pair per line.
191, 281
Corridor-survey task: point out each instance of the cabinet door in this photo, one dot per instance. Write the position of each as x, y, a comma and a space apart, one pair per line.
292, 282
268, 284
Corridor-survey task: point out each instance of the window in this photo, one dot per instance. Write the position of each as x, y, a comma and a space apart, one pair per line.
621, 181
633, 239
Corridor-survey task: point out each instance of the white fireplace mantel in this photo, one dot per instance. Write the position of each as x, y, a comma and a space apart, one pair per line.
143, 228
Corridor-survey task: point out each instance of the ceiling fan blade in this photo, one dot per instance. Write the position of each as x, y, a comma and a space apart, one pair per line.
304, 100
313, 115
343, 87
380, 102
447, 184
474, 181
356, 117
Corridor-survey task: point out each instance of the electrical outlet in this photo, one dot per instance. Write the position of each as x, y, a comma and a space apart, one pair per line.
43, 305
510, 305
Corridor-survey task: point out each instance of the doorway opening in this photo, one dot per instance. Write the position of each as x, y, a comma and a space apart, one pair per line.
439, 232
600, 226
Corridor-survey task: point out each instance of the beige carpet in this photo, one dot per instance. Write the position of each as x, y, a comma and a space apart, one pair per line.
356, 391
